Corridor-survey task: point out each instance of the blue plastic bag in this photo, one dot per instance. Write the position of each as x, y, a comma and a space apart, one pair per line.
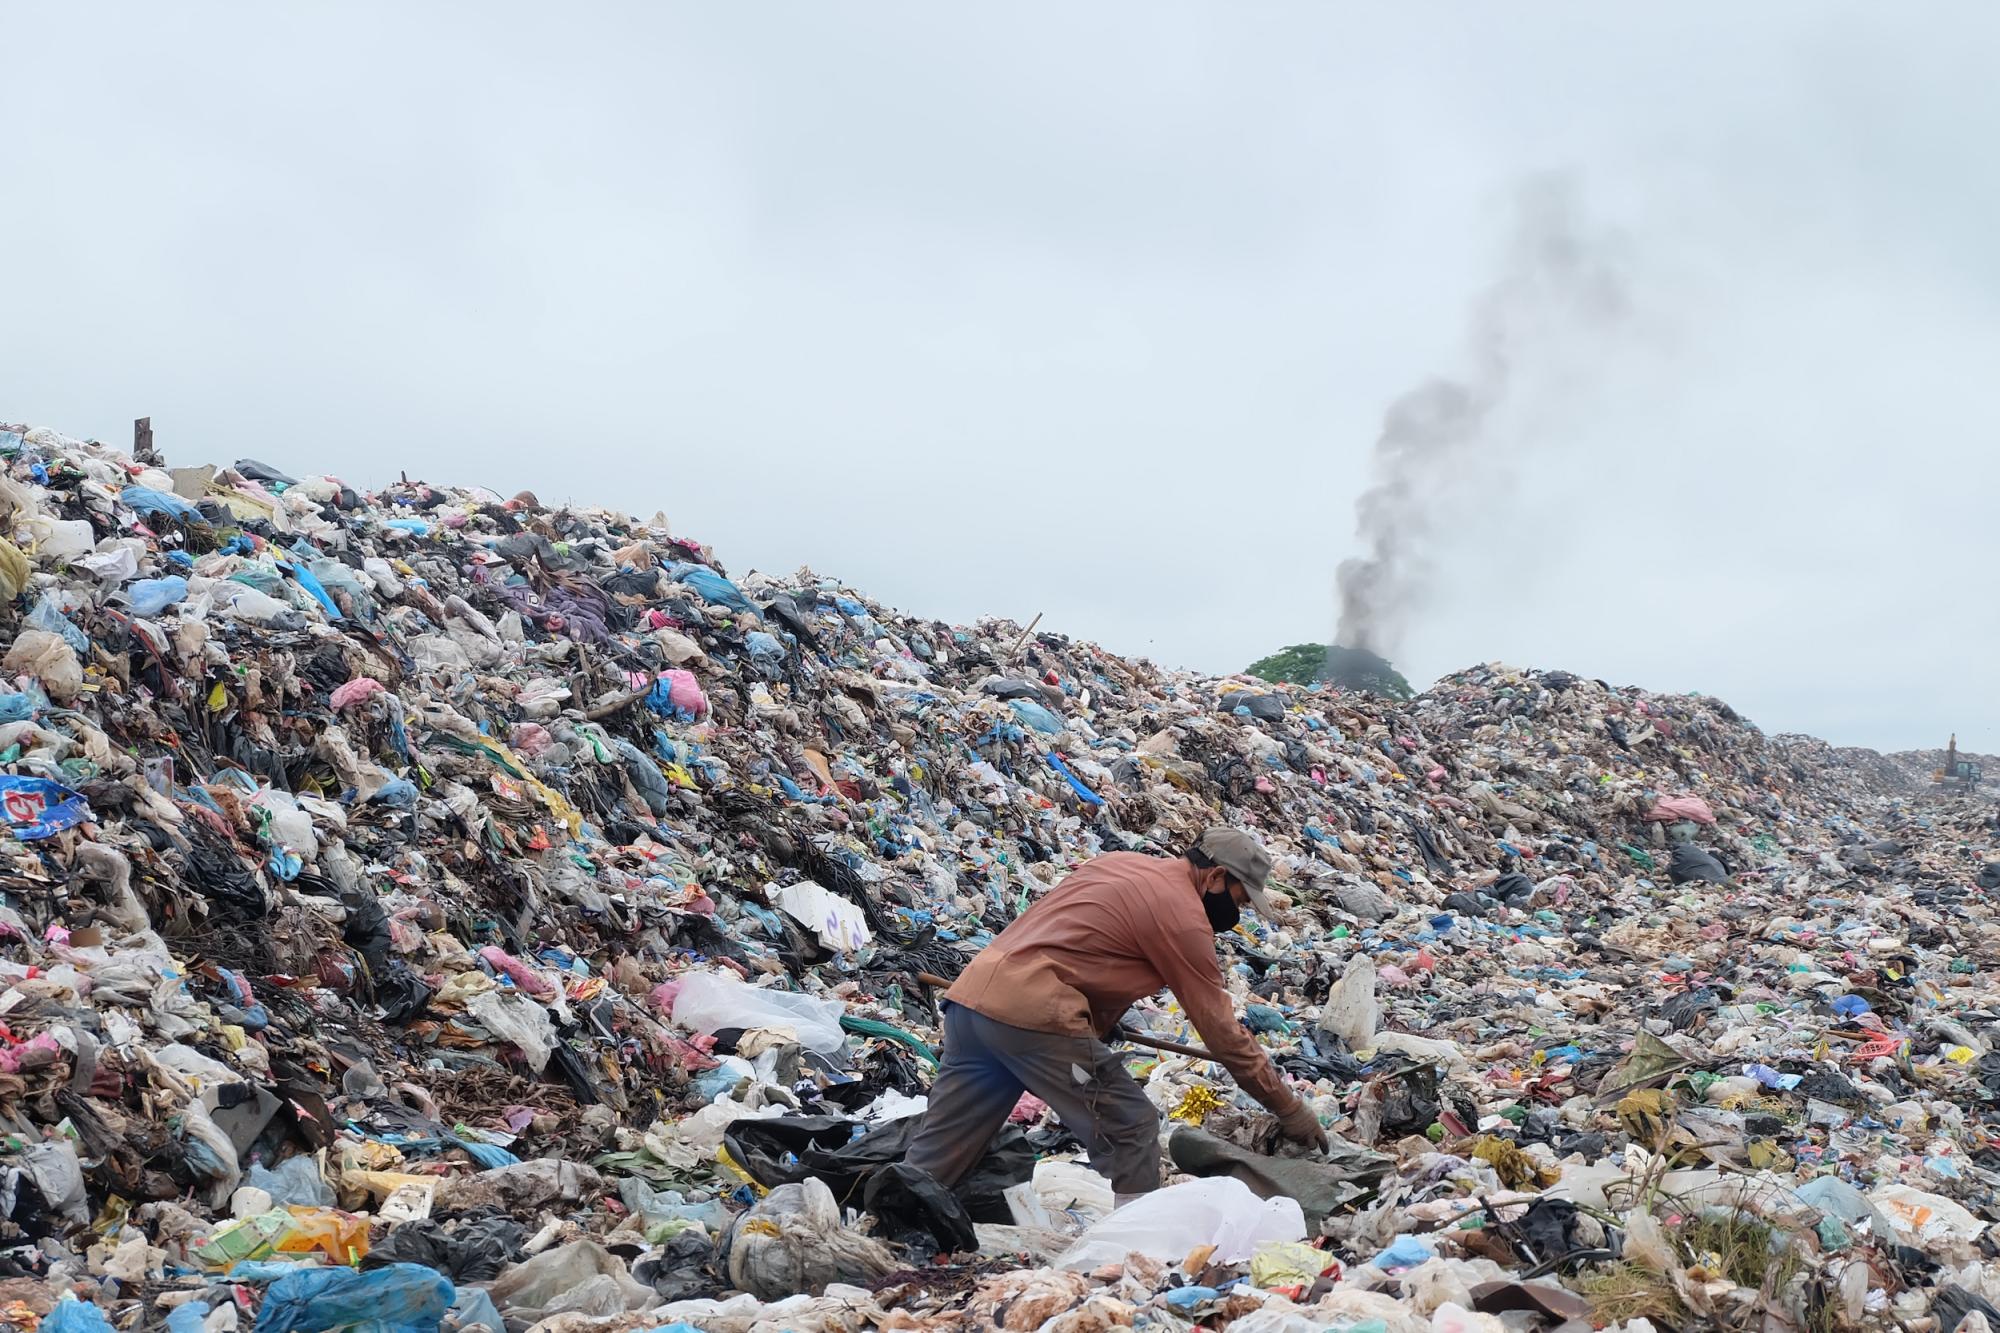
1036, 716
146, 500
149, 597
1404, 1252
401, 1298
46, 615
74, 1316
187, 1318
399, 792
1075, 783
311, 584
712, 587
477, 1313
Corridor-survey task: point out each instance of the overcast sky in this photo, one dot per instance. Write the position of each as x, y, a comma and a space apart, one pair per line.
1092, 310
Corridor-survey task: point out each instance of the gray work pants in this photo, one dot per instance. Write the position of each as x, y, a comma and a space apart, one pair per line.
985, 1068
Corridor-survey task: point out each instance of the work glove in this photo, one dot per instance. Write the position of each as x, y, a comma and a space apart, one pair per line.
1301, 1126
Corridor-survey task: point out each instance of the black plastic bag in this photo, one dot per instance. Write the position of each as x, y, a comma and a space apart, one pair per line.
1687, 1009
776, 1152
1954, 1303
1410, 1102
913, 1209
790, 1149
472, 1249
1692, 863
401, 992
1548, 1228
681, 1269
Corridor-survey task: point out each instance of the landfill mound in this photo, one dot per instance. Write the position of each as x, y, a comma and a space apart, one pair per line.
429, 910
1919, 768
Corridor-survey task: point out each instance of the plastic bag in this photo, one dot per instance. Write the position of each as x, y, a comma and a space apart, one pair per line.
243, 602
58, 540
793, 1241
471, 1250
516, 1019
912, 1208
75, 1316
296, 1180
1925, 1220
791, 1149
523, 1187
1034, 715
1351, 1012
149, 597
582, 1276
403, 1298
710, 1002
184, 1318
1061, 1195
46, 615
838, 923
211, 1155
1168, 1223
48, 658
341, 1237
1646, 1244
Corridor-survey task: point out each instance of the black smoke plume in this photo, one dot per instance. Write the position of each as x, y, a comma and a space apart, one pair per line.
1561, 284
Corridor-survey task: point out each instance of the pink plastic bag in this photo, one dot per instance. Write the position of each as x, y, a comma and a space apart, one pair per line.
502, 961
684, 692
355, 691
1669, 808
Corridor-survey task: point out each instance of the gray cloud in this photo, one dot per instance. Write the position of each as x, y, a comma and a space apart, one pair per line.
1060, 308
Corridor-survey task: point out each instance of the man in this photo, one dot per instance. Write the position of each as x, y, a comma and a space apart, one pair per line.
1032, 1011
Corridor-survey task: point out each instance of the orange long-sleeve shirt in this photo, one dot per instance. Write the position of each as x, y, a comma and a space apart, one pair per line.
1117, 928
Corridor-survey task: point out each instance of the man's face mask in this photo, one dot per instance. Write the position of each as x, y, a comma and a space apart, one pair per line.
1223, 913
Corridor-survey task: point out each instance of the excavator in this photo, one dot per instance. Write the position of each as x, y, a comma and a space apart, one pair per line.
1960, 773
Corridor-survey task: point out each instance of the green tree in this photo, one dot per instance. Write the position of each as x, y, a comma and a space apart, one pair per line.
1300, 664
1349, 668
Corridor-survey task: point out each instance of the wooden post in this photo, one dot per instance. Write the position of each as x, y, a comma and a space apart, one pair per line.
142, 441
1024, 635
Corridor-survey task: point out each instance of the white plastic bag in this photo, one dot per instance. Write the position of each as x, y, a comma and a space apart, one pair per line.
59, 539
710, 1001
838, 923
516, 1018
1925, 1220
793, 1241
1061, 1196
243, 602
45, 656
1167, 1224
1351, 1013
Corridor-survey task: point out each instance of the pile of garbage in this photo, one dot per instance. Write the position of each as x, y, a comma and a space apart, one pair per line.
428, 909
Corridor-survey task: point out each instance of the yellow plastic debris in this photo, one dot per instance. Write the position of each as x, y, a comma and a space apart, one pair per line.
1515, 1168
1197, 1104
1648, 1114
1287, 1263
